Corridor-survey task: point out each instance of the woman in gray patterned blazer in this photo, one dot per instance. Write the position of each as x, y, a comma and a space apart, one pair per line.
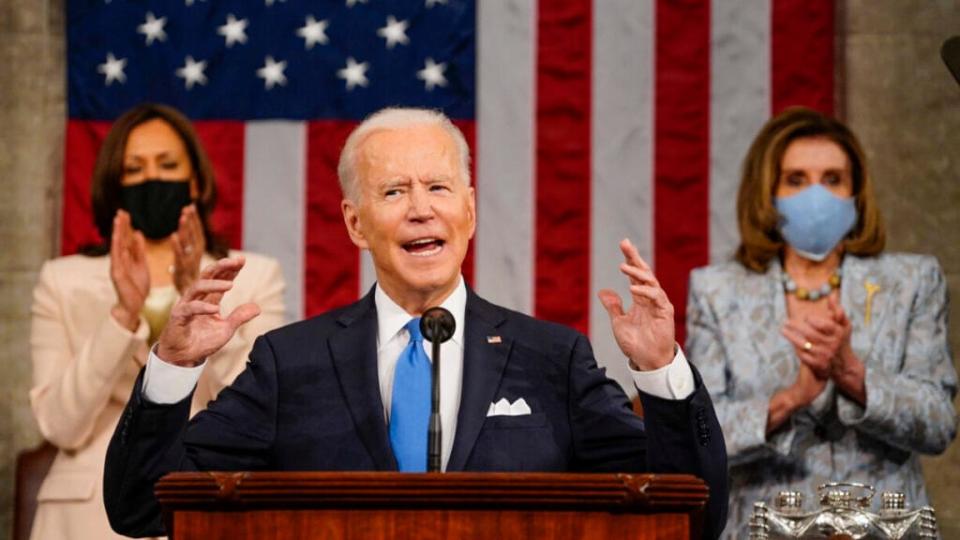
827, 360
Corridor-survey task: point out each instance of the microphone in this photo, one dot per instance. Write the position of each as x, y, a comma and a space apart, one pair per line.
436, 325
950, 52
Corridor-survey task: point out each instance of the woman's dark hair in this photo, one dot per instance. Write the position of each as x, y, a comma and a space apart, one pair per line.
758, 219
108, 174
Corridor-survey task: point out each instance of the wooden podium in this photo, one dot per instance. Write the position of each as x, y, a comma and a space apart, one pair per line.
486, 506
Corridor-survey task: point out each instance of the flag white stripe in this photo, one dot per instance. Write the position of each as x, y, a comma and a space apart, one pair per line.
274, 220
506, 56
622, 133
739, 105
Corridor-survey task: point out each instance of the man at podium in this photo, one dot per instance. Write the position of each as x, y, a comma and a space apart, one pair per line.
349, 390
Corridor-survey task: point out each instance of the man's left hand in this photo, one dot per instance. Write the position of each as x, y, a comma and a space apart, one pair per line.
645, 332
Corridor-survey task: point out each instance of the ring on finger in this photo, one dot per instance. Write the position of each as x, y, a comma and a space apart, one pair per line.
807, 345
188, 249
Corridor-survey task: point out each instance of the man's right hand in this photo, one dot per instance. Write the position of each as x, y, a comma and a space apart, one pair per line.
195, 329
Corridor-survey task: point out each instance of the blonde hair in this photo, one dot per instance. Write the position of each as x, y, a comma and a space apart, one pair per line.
395, 118
758, 219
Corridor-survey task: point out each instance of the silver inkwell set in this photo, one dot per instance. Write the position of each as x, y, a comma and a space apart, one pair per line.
844, 514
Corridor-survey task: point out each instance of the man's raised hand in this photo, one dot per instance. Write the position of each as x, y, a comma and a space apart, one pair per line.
645, 332
196, 329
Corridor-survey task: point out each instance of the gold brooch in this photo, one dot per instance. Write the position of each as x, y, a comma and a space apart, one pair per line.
872, 289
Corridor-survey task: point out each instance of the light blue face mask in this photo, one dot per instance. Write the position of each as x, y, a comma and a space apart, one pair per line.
815, 220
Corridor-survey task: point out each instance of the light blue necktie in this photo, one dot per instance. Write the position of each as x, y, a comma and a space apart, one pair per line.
410, 405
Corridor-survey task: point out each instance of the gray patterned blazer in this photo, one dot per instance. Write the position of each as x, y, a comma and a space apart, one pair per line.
734, 317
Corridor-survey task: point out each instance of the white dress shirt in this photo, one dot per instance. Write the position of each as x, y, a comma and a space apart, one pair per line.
165, 383
392, 338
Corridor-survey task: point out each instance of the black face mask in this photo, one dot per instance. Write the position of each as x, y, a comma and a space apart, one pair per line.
155, 206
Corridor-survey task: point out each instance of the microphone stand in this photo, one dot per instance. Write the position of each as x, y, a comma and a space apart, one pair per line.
434, 435
437, 325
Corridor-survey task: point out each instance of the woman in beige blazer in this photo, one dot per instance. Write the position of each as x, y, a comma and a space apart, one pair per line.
96, 314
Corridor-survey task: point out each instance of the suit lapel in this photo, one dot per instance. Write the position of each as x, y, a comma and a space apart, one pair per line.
772, 347
865, 295
483, 365
354, 354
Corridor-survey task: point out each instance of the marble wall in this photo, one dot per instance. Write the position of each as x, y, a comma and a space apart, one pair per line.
893, 89
900, 99
32, 113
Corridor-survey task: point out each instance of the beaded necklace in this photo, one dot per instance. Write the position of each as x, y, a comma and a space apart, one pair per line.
811, 295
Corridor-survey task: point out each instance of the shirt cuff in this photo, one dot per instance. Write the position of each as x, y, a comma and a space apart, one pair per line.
165, 383
672, 381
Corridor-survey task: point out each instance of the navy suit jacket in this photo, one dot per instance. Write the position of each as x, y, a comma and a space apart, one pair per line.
310, 400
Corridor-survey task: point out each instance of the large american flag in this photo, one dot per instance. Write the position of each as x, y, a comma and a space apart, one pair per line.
589, 120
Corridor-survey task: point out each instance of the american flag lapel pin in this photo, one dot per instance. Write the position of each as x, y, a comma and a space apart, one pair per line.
494, 339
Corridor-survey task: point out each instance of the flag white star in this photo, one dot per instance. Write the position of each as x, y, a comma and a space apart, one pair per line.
354, 74
432, 74
272, 72
112, 69
351, 3
394, 32
192, 72
314, 32
152, 28
234, 30
431, 3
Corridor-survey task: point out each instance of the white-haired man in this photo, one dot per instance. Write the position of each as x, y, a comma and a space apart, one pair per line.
347, 390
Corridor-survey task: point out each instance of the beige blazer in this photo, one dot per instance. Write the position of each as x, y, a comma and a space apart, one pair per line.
84, 367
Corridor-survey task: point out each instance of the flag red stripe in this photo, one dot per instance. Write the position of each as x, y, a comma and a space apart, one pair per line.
469, 130
223, 142
84, 138
802, 54
682, 147
563, 79
332, 273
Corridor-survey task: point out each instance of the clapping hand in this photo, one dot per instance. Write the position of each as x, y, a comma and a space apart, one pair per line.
645, 332
823, 344
818, 340
196, 329
189, 245
128, 271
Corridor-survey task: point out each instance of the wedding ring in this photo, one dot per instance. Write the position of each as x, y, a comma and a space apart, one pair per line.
807, 346
188, 249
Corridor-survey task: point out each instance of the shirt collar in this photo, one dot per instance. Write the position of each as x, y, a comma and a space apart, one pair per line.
391, 318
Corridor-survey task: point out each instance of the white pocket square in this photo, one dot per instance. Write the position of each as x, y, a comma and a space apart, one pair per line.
505, 408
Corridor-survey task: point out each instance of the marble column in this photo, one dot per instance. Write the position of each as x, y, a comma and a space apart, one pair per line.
32, 102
